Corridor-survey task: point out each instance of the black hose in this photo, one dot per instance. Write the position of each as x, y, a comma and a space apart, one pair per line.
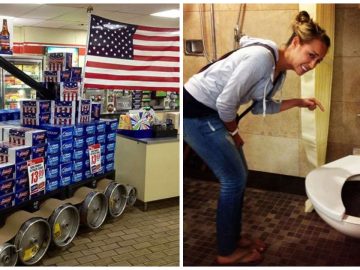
41, 91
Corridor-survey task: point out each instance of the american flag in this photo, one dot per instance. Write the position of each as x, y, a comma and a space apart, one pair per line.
131, 57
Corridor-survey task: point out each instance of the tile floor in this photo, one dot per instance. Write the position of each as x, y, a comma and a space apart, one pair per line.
295, 238
136, 238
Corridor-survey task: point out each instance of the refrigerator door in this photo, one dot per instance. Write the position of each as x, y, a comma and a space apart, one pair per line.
12, 89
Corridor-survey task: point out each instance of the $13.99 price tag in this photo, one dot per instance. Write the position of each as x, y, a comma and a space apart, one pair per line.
95, 158
36, 173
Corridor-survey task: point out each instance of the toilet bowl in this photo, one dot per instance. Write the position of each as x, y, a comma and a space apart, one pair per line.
323, 188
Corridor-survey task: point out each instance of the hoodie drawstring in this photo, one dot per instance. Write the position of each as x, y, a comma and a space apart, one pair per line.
264, 98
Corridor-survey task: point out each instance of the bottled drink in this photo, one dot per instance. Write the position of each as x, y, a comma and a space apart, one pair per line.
5, 37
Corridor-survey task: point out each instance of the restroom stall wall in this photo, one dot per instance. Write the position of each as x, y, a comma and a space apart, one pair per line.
344, 129
272, 144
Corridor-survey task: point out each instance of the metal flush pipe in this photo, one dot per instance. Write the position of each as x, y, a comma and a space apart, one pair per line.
213, 32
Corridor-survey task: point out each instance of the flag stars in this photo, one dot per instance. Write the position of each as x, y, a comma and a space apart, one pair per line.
108, 42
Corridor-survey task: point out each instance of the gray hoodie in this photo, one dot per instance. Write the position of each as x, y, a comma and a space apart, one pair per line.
245, 75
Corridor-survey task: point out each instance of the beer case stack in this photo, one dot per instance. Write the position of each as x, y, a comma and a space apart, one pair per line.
19, 145
60, 70
59, 130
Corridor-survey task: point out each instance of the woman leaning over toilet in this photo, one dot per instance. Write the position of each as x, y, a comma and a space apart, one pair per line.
211, 100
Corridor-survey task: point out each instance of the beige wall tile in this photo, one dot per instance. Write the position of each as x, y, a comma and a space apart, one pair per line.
347, 32
272, 154
344, 123
338, 150
285, 124
346, 79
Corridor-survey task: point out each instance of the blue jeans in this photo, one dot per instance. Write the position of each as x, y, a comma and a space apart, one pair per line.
209, 138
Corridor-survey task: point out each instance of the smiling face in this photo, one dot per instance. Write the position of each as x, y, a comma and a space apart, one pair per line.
305, 56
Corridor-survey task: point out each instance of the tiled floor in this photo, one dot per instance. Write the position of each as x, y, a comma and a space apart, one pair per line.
136, 238
295, 238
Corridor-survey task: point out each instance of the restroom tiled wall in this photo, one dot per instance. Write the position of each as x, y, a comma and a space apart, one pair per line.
344, 127
273, 144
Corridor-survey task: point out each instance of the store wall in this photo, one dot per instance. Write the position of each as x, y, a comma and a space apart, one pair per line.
34, 39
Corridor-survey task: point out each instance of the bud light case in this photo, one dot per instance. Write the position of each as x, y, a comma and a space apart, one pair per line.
66, 145
65, 180
52, 184
66, 168
78, 130
66, 157
57, 132
53, 160
53, 147
77, 177
100, 127
111, 125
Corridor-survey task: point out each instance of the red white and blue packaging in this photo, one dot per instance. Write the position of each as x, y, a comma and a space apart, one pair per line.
59, 61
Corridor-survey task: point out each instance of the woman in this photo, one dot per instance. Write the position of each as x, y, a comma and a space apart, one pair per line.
211, 101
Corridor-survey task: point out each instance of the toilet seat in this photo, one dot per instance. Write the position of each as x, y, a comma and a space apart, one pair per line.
324, 185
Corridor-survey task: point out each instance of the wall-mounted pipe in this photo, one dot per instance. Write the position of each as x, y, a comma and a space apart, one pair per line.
213, 32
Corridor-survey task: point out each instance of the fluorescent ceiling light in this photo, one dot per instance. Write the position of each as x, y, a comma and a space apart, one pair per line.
172, 13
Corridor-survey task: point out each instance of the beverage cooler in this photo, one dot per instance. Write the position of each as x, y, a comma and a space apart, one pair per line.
12, 89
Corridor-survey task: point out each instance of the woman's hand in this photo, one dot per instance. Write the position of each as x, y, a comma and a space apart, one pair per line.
310, 103
238, 140
232, 127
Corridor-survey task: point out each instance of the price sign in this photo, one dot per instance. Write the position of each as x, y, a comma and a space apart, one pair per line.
95, 158
36, 173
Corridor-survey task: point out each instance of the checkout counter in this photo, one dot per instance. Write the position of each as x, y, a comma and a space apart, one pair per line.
151, 165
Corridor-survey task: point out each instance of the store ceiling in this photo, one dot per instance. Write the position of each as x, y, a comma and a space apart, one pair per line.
75, 16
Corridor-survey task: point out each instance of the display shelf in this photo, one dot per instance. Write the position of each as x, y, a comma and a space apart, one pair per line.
61, 193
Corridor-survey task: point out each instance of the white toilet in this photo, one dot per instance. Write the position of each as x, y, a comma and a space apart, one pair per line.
323, 188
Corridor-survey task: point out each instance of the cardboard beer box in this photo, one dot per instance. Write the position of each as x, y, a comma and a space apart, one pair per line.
59, 61
69, 91
51, 76
24, 136
83, 112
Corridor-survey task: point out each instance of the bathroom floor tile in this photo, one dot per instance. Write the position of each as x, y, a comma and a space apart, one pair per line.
295, 238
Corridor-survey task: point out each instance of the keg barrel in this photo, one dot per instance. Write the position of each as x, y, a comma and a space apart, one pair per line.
64, 223
94, 209
131, 195
33, 240
8, 255
116, 195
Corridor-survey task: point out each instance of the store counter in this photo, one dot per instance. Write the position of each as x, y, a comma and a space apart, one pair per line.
151, 165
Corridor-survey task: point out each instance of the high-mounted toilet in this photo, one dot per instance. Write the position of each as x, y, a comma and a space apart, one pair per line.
323, 188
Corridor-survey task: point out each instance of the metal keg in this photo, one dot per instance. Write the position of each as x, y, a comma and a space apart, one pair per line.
8, 255
94, 209
131, 194
116, 195
32, 240
64, 223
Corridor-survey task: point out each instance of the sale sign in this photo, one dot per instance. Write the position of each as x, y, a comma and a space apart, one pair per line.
36, 173
95, 158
